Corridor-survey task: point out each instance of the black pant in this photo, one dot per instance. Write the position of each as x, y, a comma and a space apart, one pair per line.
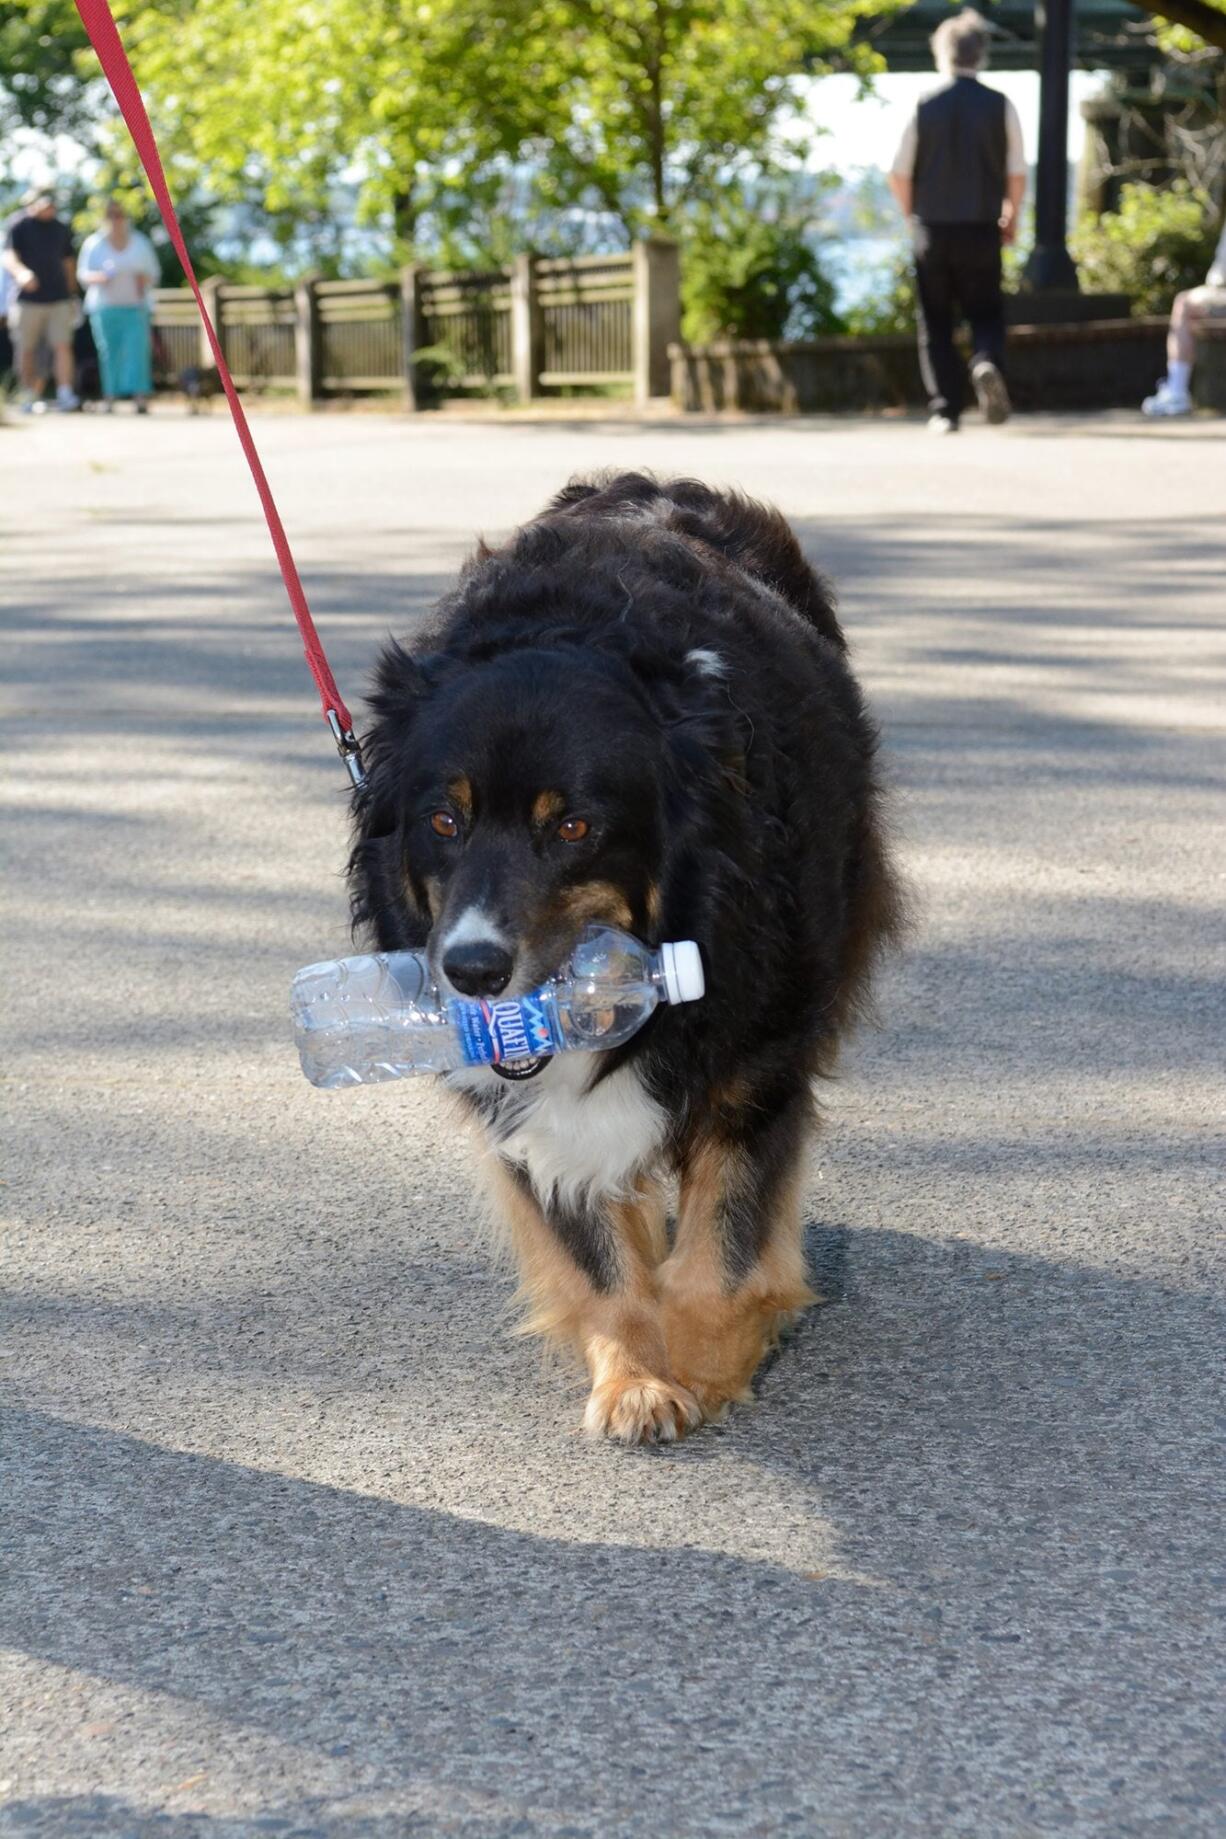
957, 272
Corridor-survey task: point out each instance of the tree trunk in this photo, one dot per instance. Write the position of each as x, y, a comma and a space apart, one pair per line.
404, 221
655, 73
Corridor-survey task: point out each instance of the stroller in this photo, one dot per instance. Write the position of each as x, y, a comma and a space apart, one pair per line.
86, 372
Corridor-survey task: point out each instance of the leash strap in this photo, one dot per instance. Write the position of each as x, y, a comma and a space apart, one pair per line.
99, 23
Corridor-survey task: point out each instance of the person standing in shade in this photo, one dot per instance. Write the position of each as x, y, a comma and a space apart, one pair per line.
39, 256
119, 270
959, 176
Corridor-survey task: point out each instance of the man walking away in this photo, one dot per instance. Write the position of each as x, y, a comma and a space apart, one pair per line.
40, 258
960, 176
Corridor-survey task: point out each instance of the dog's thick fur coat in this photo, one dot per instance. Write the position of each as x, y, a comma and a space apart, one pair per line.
639, 710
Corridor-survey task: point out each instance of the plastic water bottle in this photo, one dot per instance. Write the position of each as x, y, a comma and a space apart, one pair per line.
359, 1021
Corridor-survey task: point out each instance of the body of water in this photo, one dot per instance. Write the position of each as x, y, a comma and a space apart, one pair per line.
859, 266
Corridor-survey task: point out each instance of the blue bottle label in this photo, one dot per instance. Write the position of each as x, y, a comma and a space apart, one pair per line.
516, 1029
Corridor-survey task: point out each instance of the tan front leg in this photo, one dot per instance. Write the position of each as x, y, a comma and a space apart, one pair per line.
736, 1275
588, 1274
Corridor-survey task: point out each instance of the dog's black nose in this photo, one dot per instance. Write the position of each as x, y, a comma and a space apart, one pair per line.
481, 968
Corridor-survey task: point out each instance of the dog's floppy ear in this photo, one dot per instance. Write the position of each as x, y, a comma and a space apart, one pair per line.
379, 897
402, 686
708, 749
402, 681
707, 735
576, 491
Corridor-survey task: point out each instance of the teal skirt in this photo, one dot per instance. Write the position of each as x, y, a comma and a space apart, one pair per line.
121, 334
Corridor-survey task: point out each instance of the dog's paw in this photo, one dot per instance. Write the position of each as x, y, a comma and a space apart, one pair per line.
641, 1410
716, 1401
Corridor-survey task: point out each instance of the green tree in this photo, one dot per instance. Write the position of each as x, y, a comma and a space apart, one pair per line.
453, 117
890, 306
1160, 241
751, 268
43, 85
1182, 23
51, 87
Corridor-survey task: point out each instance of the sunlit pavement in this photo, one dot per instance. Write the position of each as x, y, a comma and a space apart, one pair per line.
296, 1536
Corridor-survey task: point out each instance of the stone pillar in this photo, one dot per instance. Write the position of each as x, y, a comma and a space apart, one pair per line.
215, 303
657, 315
412, 335
527, 329
308, 352
1051, 266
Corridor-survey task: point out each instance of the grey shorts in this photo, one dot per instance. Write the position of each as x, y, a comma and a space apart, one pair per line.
32, 321
1209, 302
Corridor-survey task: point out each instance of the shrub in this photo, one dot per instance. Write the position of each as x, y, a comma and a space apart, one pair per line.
1159, 242
750, 269
891, 305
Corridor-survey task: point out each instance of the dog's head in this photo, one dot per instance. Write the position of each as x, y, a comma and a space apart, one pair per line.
512, 802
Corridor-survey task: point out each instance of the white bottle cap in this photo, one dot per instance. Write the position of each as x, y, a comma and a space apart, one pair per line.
681, 964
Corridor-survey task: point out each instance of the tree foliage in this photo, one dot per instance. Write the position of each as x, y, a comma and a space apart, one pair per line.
456, 123
752, 268
890, 305
1188, 24
43, 85
1160, 241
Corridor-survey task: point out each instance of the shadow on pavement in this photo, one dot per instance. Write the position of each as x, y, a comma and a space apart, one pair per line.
1007, 1448
197, 677
1016, 1458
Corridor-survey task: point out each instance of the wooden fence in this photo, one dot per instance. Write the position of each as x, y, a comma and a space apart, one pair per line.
587, 320
358, 336
541, 326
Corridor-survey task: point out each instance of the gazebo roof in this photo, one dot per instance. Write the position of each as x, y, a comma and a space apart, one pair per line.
1109, 34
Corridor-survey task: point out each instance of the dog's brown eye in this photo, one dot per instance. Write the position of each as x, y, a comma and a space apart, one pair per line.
573, 830
443, 824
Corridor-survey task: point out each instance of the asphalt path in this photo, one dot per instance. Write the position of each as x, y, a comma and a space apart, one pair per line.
295, 1536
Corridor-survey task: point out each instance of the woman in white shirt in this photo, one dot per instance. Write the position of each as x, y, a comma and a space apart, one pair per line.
1173, 395
118, 268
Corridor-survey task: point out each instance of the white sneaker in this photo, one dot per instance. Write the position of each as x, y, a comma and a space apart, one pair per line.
942, 424
991, 393
66, 401
1167, 401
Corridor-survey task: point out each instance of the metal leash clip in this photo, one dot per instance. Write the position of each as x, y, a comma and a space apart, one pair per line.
348, 749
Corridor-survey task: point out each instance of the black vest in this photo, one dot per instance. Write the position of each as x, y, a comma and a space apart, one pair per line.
960, 155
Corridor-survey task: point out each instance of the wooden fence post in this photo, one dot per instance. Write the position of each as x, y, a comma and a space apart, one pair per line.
308, 346
213, 300
657, 315
527, 329
413, 335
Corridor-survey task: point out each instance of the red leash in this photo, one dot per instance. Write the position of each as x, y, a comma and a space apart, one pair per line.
99, 22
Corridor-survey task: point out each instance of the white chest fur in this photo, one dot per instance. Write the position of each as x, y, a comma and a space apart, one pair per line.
574, 1143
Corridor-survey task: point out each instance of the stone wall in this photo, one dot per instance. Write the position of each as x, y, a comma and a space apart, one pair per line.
1104, 364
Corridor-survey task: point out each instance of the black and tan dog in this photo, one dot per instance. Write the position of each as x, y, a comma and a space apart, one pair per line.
640, 711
